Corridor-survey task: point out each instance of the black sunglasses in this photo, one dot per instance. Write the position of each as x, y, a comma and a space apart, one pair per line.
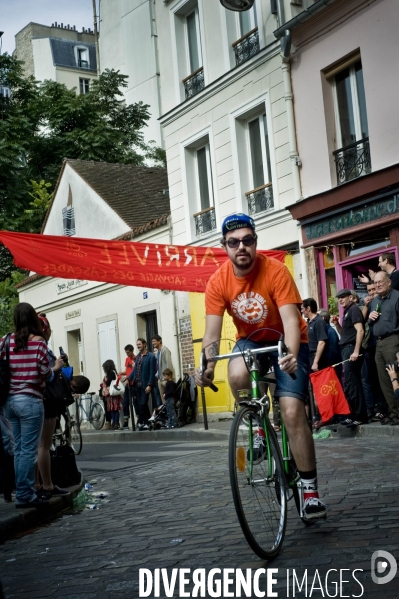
233, 242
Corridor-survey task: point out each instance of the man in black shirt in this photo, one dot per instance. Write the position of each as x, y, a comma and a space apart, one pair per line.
317, 335
384, 314
387, 263
352, 333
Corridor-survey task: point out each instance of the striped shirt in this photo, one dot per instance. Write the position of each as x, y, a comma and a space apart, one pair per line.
29, 367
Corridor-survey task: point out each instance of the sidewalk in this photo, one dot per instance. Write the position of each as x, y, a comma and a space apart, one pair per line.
13, 521
220, 431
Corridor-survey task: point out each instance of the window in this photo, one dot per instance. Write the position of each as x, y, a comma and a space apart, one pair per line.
247, 21
350, 100
82, 57
193, 38
200, 192
260, 198
194, 82
352, 157
259, 151
68, 217
247, 44
84, 85
204, 176
205, 220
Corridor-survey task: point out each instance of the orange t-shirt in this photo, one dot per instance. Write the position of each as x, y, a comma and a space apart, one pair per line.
253, 301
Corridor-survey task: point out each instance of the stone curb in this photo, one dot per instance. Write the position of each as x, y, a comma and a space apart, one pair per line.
183, 434
374, 430
14, 521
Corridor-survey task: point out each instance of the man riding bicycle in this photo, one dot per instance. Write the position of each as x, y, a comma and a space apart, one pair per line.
260, 295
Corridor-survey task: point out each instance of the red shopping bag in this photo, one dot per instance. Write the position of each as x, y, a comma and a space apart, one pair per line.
328, 392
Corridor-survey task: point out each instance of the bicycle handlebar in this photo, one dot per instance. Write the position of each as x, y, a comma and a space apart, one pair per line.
281, 348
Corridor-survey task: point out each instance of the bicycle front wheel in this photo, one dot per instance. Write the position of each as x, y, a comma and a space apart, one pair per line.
75, 437
97, 416
258, 483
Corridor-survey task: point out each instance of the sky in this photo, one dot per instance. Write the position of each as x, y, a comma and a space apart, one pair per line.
16, 14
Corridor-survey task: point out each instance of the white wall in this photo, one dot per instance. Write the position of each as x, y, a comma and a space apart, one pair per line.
93, 217
128, 43
43, 59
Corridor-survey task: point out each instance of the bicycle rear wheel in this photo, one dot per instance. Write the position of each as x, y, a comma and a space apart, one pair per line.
258, 484
75, 437
97, 417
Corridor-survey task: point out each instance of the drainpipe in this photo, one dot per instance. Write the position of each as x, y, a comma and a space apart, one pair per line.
175, 306
95, 17
289, 106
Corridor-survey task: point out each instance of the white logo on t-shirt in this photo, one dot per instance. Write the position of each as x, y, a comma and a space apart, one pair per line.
250, 307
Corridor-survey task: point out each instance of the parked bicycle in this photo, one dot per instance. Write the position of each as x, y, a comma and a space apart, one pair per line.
69, 432
263, 477
95, 414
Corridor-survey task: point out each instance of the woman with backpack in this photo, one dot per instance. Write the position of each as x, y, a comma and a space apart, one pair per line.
29, 370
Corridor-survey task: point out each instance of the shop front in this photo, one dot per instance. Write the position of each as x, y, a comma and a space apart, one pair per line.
345, 230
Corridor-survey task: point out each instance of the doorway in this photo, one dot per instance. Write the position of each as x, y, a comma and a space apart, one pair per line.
359, 264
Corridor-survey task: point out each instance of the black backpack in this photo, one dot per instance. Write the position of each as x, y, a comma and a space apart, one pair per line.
64, 471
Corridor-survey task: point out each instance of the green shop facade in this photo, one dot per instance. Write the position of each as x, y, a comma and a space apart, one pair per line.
345, 229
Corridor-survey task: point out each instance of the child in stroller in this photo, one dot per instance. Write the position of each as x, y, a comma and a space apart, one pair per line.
183, 406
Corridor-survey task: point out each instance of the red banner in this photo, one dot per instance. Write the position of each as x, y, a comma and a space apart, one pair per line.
153, 265
328, 393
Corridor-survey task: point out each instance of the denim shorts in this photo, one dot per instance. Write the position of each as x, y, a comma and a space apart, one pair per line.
285, 385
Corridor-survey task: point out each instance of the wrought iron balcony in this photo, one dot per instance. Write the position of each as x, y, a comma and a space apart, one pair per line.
194, 83
205, 221
83, 64
260, 199
247, 46
353, 161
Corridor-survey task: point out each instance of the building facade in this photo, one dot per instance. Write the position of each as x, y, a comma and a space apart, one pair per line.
229, 133
59, 53
129, 44
343, 56
94, 321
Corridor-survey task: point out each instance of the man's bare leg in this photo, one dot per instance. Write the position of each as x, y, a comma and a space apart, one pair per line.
300, 436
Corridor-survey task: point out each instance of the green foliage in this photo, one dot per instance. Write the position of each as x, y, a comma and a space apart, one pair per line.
8, 300
40, 124
333, 305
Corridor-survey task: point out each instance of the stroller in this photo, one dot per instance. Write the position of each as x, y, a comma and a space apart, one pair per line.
184, 404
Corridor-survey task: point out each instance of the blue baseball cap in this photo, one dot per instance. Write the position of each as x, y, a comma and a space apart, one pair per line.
237, 221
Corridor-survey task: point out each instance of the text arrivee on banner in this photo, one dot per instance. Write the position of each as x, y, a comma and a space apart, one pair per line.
137, 264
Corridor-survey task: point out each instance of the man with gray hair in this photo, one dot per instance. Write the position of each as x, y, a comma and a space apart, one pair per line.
384, 315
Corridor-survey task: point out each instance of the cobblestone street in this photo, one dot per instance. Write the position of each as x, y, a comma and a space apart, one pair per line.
179, 514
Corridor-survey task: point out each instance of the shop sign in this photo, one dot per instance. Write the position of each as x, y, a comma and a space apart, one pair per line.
69, 285
352, 218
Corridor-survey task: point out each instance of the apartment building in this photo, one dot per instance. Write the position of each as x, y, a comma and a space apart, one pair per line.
343, 58
129, 44
229, 132
59, 53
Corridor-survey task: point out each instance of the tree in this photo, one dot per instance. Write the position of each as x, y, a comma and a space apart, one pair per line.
40, 124
8, 300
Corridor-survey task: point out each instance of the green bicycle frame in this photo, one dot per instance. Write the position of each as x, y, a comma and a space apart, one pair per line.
255, 379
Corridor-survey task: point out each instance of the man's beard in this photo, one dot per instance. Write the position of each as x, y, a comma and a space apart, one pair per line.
243, 260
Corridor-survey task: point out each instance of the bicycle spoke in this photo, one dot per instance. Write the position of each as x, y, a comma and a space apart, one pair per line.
258, 484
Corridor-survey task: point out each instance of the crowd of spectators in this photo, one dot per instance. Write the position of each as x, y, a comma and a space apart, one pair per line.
363, 345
